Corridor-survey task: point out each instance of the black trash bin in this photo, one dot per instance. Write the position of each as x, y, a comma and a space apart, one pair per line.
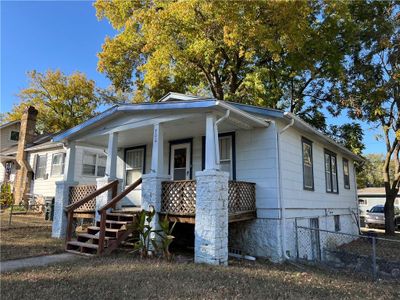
48, 208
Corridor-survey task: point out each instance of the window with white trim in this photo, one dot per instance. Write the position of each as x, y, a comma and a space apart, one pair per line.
331, 176
134, 164
225, 154
41, 165
57, 164
94, 164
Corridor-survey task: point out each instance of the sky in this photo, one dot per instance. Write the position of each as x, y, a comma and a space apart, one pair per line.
66, 35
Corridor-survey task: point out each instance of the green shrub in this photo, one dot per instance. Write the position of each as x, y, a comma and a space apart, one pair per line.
6, 195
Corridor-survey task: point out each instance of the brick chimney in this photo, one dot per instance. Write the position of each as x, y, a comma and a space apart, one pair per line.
24, 171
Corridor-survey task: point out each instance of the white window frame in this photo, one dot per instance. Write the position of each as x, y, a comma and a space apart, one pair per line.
98, 155
230, 160
62, 163
38, 165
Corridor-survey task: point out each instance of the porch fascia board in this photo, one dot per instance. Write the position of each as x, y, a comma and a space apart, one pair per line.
238, 116
136, 124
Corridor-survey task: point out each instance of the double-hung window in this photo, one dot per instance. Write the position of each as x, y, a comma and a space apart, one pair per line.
94, 164
346, 174
225, 154
308, 177
331, 176
41, 165
57, 164
134, 164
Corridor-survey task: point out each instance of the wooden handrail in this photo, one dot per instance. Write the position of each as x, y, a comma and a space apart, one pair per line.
119, 197
103, 212
101, 190
70, 208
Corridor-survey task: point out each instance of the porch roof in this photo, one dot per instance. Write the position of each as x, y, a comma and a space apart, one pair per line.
190, 107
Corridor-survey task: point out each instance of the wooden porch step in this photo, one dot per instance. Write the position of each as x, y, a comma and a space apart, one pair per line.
83, 245
116, 222
92, 236
121, 214
107, 229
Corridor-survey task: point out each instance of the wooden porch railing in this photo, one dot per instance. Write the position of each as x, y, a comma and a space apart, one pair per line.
78, 192
103, 212
70, 209
179, 197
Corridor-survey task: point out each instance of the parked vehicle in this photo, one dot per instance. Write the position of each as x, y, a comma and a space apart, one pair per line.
375, 217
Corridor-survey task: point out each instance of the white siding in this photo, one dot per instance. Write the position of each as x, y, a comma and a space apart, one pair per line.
256, 161
5, 134
42, 186
294, 195
79, 177
47, 186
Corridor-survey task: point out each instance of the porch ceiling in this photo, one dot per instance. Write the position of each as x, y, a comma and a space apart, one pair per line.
185, 127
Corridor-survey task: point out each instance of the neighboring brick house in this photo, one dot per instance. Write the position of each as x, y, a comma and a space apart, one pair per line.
32, 163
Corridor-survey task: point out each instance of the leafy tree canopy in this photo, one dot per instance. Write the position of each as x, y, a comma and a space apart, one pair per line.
269, 53
62, 101
370, 90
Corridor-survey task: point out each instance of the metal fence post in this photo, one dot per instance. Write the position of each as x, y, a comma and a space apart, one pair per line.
374, 275
297, 238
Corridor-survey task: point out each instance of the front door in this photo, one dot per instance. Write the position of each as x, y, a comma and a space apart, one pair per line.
180, 161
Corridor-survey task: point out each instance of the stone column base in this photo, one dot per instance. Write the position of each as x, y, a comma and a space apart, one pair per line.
151, 195
211, 227
59, 226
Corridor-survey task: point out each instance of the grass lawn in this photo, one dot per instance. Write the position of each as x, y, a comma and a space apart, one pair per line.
124, 276
28, 235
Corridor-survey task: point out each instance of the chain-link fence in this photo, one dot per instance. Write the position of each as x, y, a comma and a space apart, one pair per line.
366, 253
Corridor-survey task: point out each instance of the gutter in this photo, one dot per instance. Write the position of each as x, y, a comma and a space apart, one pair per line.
281, 199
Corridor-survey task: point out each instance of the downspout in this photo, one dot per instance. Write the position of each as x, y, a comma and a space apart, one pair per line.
281, 199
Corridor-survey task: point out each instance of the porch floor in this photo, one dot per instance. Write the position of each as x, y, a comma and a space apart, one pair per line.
233, 217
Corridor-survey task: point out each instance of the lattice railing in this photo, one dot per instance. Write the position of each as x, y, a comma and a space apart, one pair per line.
241, 196
79, 192
179, 197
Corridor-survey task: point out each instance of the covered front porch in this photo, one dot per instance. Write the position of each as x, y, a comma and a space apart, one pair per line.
186, 160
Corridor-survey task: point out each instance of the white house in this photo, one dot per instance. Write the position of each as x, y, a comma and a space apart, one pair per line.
44, 158
200, 160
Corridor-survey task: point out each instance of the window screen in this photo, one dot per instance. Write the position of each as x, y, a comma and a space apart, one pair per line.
225, 154
134, 160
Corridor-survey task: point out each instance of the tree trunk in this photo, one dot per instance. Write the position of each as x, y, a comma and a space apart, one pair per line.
389, 211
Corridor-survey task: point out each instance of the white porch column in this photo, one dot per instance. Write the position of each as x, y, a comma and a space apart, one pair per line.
157, 156
59, 225
211, 223
212, 144
110, 173
151, 185
111, 165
